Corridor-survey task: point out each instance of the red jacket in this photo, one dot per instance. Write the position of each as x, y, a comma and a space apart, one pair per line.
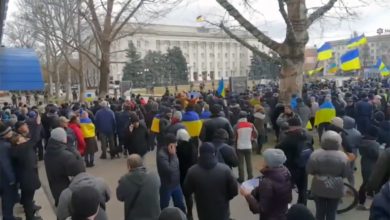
79, 136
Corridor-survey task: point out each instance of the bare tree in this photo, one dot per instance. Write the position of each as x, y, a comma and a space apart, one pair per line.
292, 50
108, 19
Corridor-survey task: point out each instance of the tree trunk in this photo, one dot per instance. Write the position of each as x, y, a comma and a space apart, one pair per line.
68, 82
81, 79
104, 69
58, 85
291, 80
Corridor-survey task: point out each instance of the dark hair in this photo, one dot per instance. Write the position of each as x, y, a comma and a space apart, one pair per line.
170, 139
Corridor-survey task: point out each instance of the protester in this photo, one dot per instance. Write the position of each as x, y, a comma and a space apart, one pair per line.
303, 111
105, 124
381, 203
85, 204
214, 123
353, 138
139, 190
244, 132
260, 125
380, 173
74, 124
26, 170
8, 188
70, 135
89, 133
299, 211
273, 194
58, 160
79, 181
328, 165
286, 115
135, 138
169, 172
225, 153
297, 146
212, 183
364, 112
369, 150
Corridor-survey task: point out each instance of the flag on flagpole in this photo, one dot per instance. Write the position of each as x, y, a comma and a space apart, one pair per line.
350, 60
357, 41
385, 72
200, 18
333, 68
325, 52
315, 71
382, 68
221, 88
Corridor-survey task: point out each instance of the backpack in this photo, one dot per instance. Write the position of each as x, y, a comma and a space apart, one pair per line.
219, 154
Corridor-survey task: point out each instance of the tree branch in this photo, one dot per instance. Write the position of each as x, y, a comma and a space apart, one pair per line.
252, 48
118, 29
267, 41
290, 29
119, 15
95, 19
320, 12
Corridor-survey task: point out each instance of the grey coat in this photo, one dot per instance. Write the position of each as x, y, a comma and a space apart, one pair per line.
168, 169
304, 113
329, 167
64, 208
369, 150
145, 205
354, 137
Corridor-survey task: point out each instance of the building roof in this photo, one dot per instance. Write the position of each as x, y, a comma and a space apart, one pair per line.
184, 31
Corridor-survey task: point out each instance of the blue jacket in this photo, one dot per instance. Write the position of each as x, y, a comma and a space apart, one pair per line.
122, 122
105, 121
380, 206
7, 175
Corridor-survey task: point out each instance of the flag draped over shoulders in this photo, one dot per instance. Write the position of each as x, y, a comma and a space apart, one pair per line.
192, 123
325, 113
87, 128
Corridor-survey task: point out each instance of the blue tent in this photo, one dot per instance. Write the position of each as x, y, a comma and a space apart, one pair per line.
20, 70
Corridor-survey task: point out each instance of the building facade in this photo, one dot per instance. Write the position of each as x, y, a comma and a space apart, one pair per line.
210, 53
377, 47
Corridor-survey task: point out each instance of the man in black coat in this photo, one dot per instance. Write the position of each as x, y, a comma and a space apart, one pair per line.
59, 160
136, 136
212, 183
8, 189
214, 123
225, 153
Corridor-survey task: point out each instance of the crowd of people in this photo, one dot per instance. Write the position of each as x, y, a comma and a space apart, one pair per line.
198, 139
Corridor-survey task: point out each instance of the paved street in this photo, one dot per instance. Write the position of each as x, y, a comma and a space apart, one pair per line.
112, 170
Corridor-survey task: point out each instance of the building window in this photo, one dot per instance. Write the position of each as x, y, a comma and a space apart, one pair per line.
226, 55
146, 43
185, 45
158, 44
138, 43
211, 46
234, 64
219, 45
211, 65
194, 64
203, 65
211, 55
168, 43
203, 45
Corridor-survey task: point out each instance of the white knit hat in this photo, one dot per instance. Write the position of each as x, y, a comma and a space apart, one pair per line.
183, 135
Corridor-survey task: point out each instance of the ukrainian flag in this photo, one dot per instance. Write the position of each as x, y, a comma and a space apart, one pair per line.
192, 123
315, 71
155, 124
385, 72
200, 19
221, 88
333, 68
380, 64
350, 60
325, 52
357, 41
325, 114
87, 128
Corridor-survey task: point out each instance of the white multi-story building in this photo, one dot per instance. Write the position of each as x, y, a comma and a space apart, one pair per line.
210, 53
377, 47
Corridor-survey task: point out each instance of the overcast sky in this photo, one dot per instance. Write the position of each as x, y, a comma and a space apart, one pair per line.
268, 19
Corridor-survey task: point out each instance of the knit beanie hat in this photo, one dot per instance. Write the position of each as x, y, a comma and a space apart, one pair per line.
299, 211
294, 122
172, 213
85, 202
216, 109
59, 134
274, 157
338, 122
331, 140
221, 134
133, 118
183, 135
4, 129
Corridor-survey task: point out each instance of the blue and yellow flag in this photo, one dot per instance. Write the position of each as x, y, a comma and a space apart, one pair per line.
350, 60
155, 124
325, 52
385, 72
200, 18
357, 41
192, 122
221, 88
325, 114
333, 68
382, 68
315, 71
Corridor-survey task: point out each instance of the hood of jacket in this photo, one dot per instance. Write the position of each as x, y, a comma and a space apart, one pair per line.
55, 146
349, 123
277, 174
259, 115
207, 161
137, 176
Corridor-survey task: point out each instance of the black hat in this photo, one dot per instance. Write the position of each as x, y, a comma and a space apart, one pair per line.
216, 109
379, 116
299, 211
206, 149
172, 213
85, 202
134, 118
372, 132
170, 139
221, 134
294, 122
